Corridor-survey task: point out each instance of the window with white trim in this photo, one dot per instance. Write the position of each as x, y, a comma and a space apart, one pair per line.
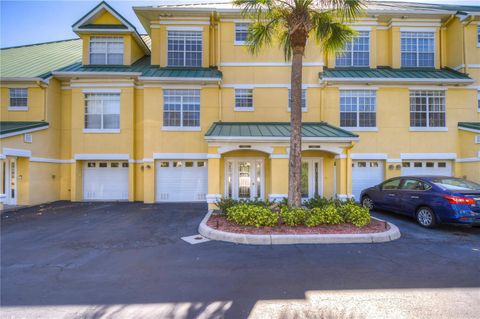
304, 99
184, 48
18, 98
478, 100
241, 32
244, 99
418, 49
106, 50
181, 108
102, 111
427, 109
358, 108
356, 51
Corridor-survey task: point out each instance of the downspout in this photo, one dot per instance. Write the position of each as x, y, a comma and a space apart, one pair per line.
44, 89
220, 107
465, 44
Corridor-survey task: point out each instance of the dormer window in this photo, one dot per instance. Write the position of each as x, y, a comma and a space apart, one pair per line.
418, 49
106, 50
185, 48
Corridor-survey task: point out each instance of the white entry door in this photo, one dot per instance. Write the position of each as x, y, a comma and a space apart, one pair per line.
419, 167
312, 177
181, 180
244, 178
10, 186
366, 174
105, 180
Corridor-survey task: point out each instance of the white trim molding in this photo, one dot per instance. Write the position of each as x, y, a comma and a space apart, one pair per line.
198, 29
250, 64
428, 156
179, 156
279, 156
369, 156
97, 90
101, 131
212, 198
102, 157
468, 129
226, 149
51, 160
277, 197
394, 160
360, 129
16, 152
181, 128
213, 156
428, 129
468, 160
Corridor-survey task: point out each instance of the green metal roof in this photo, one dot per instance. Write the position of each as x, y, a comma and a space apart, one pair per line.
7, 127
276, 129
387, 73
470, 125
144, 68
36, 60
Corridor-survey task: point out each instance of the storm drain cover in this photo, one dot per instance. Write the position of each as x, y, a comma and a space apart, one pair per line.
195, 239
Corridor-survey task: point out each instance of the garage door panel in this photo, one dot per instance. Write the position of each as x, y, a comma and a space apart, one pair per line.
105, 181
181, 181
426, 167
366, 174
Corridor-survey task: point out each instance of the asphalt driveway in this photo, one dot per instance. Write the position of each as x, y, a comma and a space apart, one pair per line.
126, 260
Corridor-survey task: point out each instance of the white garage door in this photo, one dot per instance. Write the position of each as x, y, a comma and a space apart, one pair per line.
418, 167
105, 180
181, 180
365, 174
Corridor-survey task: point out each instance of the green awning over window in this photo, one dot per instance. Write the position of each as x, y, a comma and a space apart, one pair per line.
473, 126
10, 128
272, 130
387, 75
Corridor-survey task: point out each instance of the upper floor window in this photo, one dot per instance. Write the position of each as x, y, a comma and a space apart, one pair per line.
478, 100
356, 52
181, 108
241, 33
427, 109
304, 99
418, 49
102, 111
244, 99
106, 50
358, 108
185, 48
18, 99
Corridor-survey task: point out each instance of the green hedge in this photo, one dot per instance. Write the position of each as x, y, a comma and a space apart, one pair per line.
319, 211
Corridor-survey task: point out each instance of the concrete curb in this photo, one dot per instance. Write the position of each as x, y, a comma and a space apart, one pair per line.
206, 231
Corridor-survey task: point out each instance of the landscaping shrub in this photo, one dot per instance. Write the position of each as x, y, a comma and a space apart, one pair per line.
317, 202
252, 215
225, 203
355, 214
327, 214
293, 216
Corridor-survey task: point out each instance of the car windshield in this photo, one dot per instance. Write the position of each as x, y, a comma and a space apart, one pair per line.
455, 184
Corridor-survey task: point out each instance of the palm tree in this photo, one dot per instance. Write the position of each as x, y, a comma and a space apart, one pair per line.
290, 22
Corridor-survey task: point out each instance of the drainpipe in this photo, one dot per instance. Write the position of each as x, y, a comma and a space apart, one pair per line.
44, 89
469, 19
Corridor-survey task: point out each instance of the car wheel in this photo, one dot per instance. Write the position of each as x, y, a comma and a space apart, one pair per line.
367, 202
426, 217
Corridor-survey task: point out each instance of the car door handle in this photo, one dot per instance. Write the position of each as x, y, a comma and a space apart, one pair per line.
414, 197
392, 195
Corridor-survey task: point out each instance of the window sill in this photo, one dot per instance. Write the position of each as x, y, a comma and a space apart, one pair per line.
243, 109
181, 129
428, 129
361, 129
97, 131
239, 43
18, 108
304, 110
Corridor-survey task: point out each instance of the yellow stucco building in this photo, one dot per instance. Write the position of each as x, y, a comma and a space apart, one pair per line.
185, 113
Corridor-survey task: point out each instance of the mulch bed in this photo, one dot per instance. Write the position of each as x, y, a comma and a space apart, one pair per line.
219, 222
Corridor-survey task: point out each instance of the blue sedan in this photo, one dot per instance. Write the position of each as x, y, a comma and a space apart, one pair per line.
430, 199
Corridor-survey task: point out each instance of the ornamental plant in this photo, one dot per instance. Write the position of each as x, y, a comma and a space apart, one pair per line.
294, 216
327, 214
252, 215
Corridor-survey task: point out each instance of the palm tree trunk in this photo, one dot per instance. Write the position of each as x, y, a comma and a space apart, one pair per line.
295, 158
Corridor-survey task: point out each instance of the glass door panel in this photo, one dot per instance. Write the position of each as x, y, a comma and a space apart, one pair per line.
305, 180
244, 180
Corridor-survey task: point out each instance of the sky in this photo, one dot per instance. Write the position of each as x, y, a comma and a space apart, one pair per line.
34, 21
